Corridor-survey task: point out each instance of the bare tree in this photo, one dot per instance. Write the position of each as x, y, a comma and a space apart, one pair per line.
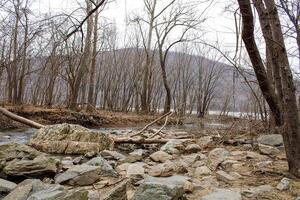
180, 17
284, 109
291, 8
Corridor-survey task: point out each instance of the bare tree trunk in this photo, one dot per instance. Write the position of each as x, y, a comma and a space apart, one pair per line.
287, 117
91, 92
85, 61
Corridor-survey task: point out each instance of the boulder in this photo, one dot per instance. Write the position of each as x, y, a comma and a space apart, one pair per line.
171, 188
271, 140
216, 157
32, 189
79, 175
160, 156
22, 191
18, 160
6, 186
173, 146
39, 166
70, 139
88, 173
268, 150
223, 194
106, 169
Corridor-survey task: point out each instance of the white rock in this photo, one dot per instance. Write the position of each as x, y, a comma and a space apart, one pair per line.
284, 184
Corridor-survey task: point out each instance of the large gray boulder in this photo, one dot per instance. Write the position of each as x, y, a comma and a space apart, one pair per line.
79, 175
268, 150
271, 140
33, 189
86, 174
21, 160
70, 139
223, 194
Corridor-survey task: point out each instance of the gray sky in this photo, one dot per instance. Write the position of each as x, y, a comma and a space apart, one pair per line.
219, 25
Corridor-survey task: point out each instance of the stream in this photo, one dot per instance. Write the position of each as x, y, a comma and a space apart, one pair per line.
23, 135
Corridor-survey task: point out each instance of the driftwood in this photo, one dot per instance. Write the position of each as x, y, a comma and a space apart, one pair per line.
159, 131
150, 124
20, 119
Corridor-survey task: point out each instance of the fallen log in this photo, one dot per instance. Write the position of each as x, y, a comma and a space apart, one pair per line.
20, 119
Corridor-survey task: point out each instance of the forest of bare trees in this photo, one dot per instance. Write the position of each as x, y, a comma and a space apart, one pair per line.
43, 64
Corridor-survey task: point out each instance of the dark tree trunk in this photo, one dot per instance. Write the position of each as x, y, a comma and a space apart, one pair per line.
285, 116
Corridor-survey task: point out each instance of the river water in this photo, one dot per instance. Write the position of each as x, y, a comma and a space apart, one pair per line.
23, 135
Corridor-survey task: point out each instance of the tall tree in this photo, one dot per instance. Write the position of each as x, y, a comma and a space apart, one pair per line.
284, 108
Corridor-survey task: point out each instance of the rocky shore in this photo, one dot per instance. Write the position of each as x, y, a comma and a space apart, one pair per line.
71, 162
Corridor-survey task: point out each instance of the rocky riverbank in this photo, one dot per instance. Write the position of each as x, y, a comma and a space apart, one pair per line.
192, 166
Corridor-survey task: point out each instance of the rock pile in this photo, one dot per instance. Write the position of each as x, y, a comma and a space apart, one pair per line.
180, 169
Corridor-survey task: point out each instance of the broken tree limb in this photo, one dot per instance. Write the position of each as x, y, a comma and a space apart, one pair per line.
20, 119
150, 124
157, 132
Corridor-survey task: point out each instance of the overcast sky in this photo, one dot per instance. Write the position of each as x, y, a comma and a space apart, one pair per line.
219, 25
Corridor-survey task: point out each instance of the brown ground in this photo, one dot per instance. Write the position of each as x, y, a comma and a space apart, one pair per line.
97, 119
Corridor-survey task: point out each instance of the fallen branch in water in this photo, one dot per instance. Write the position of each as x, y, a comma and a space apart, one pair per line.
150, 124
20, 119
